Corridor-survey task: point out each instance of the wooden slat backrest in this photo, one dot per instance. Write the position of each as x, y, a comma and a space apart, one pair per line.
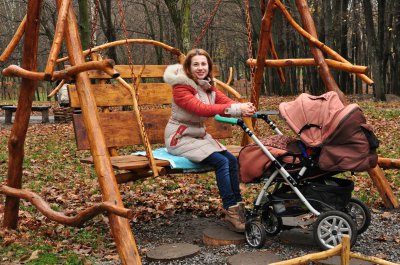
120, 128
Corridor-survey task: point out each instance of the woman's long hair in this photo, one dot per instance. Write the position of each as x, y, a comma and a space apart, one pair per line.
188, 62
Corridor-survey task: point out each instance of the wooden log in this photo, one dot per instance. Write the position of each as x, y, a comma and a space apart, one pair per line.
180, 56
69, 73
61, 218
388, 162
230, 76
55, 90
319, 58
57, 40
18, 132
263, 46
14, 41
122, 233
318, 43
307, 259
311, 62
374, 260
382, 185
345, 251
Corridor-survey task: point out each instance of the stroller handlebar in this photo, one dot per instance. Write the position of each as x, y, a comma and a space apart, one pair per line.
259, 114
226, 119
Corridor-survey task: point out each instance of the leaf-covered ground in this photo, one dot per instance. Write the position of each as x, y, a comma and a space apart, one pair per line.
52, 169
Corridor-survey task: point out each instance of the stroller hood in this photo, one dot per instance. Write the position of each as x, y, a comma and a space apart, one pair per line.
345, 141
313, 118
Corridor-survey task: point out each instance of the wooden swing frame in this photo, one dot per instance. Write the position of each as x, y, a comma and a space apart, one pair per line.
67, 29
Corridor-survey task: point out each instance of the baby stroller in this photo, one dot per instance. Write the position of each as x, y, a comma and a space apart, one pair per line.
298, 175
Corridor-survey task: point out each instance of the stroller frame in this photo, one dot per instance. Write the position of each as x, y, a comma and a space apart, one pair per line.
329, 226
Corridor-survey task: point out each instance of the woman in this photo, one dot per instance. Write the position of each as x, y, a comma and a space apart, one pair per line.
194, 100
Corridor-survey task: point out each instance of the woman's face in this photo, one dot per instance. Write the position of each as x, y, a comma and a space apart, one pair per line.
199, 66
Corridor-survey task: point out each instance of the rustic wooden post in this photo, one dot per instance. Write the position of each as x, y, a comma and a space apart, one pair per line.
376, 174
21, 121
319, 58
382, 185
345, 250
263, 46
120, 228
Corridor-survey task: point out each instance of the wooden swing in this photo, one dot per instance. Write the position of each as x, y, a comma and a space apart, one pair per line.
309, 32
94, 132
101, 132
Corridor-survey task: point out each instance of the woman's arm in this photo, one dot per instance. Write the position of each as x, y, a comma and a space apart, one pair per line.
184, 97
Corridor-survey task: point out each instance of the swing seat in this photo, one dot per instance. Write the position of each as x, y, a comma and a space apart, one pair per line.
120, 127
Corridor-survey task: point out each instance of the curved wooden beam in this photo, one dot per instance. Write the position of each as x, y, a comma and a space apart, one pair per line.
55, 90
106, 66
228, 89
388, 162
230, 76
319, 57
58, 37
311, 62
180, 56
61, 218
14, 41
312, 257
316, 42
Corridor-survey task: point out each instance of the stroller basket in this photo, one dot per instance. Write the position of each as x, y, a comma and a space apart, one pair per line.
334, 192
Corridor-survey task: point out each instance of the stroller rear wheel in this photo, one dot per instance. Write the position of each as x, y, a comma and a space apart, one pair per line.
329, 228
255, 234
360, 214
271, 222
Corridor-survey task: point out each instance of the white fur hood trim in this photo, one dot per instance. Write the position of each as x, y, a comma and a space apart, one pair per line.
175, 75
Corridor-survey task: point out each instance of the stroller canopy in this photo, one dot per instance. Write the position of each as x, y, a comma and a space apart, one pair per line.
314, 118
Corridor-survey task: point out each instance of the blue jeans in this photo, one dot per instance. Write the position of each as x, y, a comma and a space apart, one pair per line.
226, 171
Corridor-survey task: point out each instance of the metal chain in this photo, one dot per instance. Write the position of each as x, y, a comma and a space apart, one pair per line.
250, 52
146, 141
128, 50
207, 24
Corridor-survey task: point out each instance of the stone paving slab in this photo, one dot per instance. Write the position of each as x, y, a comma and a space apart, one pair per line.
171, 252
217, 235
253, 258
297, 236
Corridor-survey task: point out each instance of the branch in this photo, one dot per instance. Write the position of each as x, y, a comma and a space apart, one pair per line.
106, 66
61, 218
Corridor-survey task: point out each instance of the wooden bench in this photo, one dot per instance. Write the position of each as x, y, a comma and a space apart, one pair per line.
120, 127
10, 109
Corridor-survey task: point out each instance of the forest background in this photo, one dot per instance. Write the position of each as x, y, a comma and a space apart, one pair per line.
365, 32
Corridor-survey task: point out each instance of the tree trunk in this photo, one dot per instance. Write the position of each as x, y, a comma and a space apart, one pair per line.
185, 30
375, 44
84, 23
174, 13
344, 82
107, 26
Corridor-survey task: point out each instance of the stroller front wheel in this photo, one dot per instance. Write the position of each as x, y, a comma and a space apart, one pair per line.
360, 214
255, 234
329, 228
272, 223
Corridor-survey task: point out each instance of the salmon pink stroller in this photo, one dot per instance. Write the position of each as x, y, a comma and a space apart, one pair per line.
299, 174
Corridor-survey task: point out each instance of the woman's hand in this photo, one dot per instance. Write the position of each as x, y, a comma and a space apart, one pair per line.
247, 109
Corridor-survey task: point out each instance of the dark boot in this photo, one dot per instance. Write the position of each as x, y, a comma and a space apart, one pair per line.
232, 217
